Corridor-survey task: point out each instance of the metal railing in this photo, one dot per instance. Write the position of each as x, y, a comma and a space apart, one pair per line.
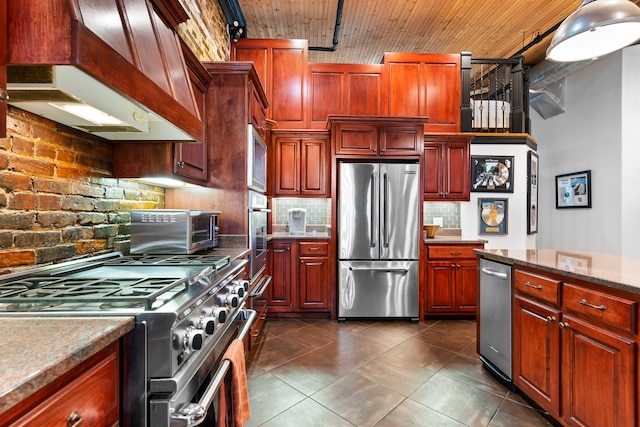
495, 95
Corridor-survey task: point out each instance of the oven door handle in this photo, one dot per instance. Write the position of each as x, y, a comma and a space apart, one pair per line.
193, 414
261, 287
259, 210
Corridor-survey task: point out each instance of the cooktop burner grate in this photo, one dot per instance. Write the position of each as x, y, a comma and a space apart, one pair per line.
217, 261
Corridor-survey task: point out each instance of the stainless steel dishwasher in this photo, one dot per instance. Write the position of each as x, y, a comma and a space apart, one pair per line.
495, 317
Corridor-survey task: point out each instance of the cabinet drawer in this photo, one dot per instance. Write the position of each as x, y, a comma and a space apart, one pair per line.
540, 287
615, 311
314, 248
448, 252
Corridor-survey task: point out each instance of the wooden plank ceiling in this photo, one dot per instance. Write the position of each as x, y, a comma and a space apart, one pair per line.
369, 28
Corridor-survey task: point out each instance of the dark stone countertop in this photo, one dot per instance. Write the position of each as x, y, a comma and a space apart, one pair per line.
35, 351
613, 271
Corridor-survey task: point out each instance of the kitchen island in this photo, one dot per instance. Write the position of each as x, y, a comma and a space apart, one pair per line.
40, 355
575, 333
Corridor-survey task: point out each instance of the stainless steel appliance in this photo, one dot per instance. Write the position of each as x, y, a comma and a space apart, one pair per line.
256, 162
187, 310
258, 214
495, 317
173, 231
378, 239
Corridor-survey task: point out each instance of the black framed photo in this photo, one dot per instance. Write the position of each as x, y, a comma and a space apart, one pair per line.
532, 193
493, 215
492, 174
573, 190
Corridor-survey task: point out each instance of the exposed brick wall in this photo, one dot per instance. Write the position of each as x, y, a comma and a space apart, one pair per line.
206, 30
57, 197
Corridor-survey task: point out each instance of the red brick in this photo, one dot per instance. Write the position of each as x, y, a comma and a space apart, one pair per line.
51, 135
14, 181
90, 246
22, 146
46, 151
82, 146
76, 203
56, 219
5, 143
56, 186
31, 166
72, 172
17, 258
83, 189
66, 156
23, 201
48, 202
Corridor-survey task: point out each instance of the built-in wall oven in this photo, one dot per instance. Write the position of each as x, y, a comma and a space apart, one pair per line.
256, 161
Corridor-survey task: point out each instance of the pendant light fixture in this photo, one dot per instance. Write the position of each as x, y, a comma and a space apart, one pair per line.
597, 28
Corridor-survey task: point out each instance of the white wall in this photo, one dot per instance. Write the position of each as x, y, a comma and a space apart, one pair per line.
595, 133
517, 237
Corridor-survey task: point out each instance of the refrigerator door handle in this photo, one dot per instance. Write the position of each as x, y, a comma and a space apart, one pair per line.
402, 271
385, 212
374, 208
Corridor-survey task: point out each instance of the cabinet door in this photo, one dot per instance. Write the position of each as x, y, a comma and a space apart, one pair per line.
358, 139
440, 286
287, 166
536, 352
599, 378
456, 164
258, 112
326, 83
281, 298
466, 284
313, 284
313, 163
433, 173
400, 141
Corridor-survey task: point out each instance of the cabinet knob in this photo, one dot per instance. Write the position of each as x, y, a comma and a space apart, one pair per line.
551, 319
74, 419
180, 164
563, 325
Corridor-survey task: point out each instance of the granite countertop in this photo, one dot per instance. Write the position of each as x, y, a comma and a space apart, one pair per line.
34, 351
613, 271
308, 235
448, 240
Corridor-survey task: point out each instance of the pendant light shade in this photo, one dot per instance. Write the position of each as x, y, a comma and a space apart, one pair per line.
597, 28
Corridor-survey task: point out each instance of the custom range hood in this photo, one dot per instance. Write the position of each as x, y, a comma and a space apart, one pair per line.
113, 68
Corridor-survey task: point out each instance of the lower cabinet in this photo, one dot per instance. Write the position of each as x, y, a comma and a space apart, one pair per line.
451, 280
88, 395
575, 350
300, 272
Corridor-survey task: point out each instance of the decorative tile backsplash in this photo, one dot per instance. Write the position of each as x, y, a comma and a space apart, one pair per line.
448, 211
318, 210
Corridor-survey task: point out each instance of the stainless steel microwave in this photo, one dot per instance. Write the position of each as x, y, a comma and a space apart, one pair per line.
173, 231
256, 162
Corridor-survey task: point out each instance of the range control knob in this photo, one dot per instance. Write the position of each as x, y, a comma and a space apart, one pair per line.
208, 324
228, 299
193, 338
235, 289
220, 313
242, 282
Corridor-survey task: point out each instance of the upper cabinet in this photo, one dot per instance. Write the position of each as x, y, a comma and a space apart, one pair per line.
424, 84
301, 163
376, 136
446, 167
282, 67
123, 58
347, 89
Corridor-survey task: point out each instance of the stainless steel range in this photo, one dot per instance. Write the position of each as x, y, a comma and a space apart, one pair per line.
187, 309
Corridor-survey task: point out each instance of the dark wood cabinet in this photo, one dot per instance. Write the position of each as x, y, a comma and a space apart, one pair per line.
377, 136
313, 276
301, 163
424, 84
282, 67
446, 172
451, 280
280, 262
348, 89
91, 389
575, 349
183, 161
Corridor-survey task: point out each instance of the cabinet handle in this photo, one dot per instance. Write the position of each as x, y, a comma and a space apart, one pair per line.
563, 325
597, 307
180, 164
313, 249
279, 250
551, 319
74, 419
455, 252
528, 284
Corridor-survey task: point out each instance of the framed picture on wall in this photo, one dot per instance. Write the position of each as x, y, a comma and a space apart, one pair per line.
492, 174
493, 215
532, 193
573, 190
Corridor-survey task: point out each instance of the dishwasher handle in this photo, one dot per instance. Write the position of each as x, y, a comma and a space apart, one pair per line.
498, 274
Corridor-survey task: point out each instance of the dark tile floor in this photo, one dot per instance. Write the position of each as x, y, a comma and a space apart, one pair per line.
323, 373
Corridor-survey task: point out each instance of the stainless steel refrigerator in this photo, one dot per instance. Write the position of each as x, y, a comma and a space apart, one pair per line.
378, 240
